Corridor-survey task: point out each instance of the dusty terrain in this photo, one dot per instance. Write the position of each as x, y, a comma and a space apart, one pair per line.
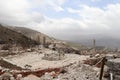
35, 60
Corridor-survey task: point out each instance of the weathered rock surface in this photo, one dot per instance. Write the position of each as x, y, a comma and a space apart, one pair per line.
114, 68
76, 72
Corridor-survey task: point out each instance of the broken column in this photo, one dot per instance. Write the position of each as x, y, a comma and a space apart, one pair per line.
114, 68
44, 41
94, 46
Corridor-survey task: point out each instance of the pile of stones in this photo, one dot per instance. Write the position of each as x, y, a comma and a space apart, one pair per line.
75, 72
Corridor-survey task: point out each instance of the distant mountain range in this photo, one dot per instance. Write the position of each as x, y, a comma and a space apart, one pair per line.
100, 41
15, 33
20, 34
35, 34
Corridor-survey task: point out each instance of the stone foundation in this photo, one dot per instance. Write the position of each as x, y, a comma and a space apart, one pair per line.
114, 68
54, 56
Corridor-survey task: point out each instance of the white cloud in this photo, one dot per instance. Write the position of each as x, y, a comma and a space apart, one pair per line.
58, 8
97, 18
95, 0
70, 10
14, 11
17, 12
92, 20
52, 4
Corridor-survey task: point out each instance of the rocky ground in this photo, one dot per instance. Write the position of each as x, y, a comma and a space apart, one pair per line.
71, 68
35, 60
76, 71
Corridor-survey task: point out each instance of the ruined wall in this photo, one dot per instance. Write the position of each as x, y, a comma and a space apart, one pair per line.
114, 68
5, 64
54, 56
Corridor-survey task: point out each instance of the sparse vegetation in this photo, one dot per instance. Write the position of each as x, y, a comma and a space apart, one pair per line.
6, 47
8, 36
32, 34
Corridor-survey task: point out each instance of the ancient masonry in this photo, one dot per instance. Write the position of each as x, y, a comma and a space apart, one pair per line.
54, 56
114, 69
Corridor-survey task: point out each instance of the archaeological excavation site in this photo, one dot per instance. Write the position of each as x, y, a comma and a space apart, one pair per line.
40, 57
59, 39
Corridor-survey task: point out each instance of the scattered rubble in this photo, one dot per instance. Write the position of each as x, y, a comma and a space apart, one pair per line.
76, 71
54, 63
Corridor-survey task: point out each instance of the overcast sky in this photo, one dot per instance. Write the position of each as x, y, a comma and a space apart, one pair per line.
64, 19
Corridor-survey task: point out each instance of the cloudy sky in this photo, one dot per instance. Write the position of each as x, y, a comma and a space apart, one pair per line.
64, 19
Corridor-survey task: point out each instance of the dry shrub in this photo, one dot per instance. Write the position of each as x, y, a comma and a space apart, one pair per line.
6, 47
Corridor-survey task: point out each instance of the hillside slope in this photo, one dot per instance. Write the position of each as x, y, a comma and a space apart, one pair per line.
35, 35
39, 37
9, 36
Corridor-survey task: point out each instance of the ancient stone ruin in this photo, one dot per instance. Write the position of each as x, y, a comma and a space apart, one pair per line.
114, 69
54, 56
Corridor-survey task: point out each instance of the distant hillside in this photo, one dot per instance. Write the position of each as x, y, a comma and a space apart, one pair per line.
38, 36
107, 41
35, 35
75, 45
9, 36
